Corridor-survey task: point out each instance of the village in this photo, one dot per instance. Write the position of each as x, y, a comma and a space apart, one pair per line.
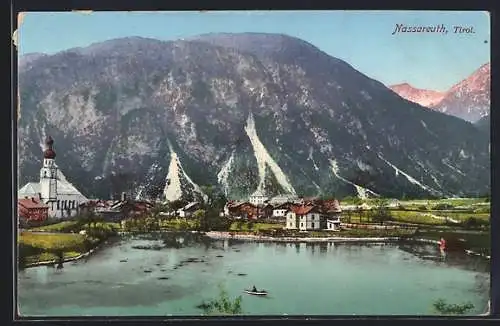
55, 199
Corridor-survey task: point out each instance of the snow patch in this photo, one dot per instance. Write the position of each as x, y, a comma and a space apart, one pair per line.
462, 154
363, 166
362, 192
263, 159
427, 129
407, 176
445, 162
223, 175
310, 157
173, 189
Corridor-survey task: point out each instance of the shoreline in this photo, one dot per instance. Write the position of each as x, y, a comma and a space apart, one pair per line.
66, 260
219, 235
249, 237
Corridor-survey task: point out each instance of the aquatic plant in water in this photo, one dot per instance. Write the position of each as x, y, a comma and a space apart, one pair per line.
442, 307
222, 305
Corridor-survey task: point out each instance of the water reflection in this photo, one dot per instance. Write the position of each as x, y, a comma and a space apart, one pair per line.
189, 267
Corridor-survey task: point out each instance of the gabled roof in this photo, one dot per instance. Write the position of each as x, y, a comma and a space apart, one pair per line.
303, 210
31, 189
258, 193
331, 206
190, 205
30, 203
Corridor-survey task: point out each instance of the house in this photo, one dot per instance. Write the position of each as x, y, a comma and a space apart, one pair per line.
280, 211
258, 198
333, 224
243, 210
282, 199
266, 211
102, 208
189, 209
129, 207
305, 218
32, 210
331, 207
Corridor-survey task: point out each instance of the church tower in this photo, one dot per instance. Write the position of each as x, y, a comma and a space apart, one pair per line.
48, 173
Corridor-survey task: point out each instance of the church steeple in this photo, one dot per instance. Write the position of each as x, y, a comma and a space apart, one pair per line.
48, 173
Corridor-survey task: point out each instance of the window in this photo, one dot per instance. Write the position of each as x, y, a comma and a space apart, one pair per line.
58, 204
301, 224
312, 225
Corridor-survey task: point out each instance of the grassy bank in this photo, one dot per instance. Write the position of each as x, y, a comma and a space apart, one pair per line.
74, 226
39, 247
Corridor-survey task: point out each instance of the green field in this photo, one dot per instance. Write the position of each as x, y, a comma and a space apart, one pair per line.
68, 226
51, 241
37, 247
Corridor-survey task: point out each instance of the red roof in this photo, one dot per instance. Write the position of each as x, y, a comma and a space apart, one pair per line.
332, 205
302, 210
31, 203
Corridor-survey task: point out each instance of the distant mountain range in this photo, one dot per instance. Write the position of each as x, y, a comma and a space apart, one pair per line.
469, 99
241, 112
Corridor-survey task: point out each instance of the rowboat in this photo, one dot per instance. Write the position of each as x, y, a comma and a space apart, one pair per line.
256, 292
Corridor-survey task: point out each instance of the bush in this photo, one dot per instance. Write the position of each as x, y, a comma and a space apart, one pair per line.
223, 305
443, 207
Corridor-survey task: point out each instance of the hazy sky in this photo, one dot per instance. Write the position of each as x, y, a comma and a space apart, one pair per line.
362, 38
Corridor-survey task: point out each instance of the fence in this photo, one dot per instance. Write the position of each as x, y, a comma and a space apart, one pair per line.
376, 226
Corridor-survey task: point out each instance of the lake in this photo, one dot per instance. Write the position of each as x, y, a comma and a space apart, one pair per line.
129, 278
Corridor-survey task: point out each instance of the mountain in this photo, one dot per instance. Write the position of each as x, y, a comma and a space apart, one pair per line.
483, 124
423, 97
469, 99
244, 112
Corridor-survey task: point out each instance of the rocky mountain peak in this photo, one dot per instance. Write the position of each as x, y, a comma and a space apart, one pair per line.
241, 112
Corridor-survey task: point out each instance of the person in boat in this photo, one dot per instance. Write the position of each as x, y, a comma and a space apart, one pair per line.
254, 289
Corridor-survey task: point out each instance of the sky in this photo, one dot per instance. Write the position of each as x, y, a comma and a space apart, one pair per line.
364, 39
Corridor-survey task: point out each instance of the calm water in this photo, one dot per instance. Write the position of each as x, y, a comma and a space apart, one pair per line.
333, 279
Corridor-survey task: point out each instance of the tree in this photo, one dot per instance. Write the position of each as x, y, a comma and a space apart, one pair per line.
381, 213
442, 307
349, 215
176, 204
223, 305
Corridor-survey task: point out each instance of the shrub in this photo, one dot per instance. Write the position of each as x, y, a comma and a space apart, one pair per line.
222, 305
444, 308
442, 207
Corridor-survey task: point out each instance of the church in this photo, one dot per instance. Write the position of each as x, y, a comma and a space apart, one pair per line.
62, 198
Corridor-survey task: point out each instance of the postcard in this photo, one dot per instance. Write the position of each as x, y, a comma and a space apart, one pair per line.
332, 163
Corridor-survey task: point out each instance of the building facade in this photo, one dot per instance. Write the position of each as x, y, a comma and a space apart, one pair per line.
258, 198
53, 190
305, 218
32, 210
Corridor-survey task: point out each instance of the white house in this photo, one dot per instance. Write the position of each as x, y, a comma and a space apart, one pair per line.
282, 199
333, 224
305, 218
258, 198
188, 210
53, 189
280, 210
